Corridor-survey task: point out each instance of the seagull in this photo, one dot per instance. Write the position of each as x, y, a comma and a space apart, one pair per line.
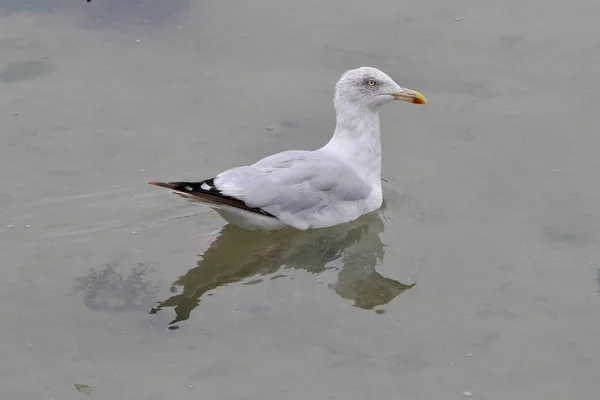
301, 189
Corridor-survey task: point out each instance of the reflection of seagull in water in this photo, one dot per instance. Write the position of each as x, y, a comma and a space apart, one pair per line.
311, 189
237, 254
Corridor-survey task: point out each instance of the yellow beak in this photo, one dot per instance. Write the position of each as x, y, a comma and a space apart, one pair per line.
411, 96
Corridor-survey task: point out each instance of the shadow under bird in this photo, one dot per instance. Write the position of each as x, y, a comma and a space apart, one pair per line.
301, 189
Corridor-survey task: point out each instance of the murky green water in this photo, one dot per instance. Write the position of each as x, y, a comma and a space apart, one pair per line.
481, 274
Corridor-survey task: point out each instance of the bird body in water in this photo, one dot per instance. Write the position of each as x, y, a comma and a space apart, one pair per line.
301, 189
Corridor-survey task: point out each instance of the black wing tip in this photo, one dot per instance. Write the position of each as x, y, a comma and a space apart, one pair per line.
183, 186
195, 189
168, 185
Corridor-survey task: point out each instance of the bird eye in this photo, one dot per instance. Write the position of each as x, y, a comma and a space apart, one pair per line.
371, 82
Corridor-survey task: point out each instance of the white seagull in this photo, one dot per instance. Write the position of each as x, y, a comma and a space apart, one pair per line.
302, 189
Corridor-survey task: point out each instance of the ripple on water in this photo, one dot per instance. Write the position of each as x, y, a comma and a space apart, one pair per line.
404, 200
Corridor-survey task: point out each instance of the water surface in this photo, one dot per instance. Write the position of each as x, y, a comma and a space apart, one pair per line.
480, 275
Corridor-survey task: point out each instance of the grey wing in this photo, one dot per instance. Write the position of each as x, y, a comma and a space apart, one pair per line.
301, 188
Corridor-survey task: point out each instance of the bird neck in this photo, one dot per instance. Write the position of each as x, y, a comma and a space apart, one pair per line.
357, 139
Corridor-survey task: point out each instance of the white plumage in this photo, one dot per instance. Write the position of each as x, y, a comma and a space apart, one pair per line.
299, 189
